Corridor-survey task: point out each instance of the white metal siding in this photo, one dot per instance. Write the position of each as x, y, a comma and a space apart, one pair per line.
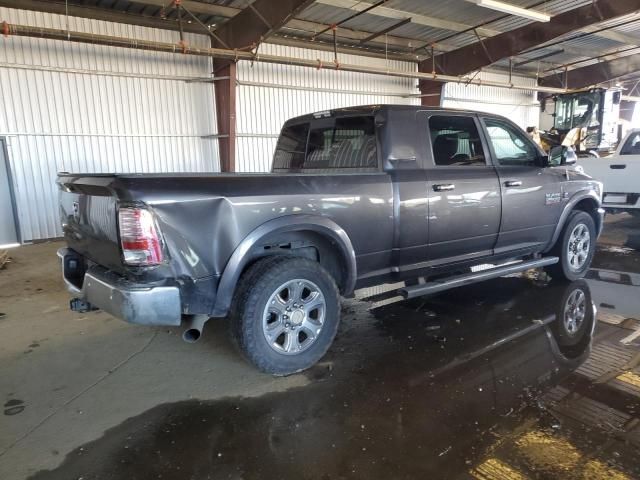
89, 108
521, 106
270, 94
126, 111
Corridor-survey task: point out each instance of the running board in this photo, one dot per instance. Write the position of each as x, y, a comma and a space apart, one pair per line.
469, 278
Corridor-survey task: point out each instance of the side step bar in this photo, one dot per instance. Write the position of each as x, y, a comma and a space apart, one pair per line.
468, 278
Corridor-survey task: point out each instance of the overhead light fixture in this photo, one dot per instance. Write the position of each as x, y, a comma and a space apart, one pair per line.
513, 10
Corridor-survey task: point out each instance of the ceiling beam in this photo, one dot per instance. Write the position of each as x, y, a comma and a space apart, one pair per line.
453, 26
437, 23
147, 20
384, 31
293, 26
487, 51
623, 38
209, 9
350, 35
402, 14
538, 58
107, 15
257, 22
299, 28
590, 60
314, 27
195, 7
594, 74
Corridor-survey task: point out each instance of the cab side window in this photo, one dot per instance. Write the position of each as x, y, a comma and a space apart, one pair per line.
632, 145
511, 147
455, 141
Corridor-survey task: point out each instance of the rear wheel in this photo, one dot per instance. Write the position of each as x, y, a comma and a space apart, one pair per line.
286, 314
575, 247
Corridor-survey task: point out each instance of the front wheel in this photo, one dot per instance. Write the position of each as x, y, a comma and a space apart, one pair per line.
575, 315
286, 314
575, 247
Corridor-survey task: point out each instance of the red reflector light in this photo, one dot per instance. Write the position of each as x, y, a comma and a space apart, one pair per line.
139, 237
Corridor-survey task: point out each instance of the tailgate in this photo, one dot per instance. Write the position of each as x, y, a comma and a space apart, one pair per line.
88, 215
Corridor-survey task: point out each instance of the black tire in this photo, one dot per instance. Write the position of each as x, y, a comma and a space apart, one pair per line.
563, 270
255, 290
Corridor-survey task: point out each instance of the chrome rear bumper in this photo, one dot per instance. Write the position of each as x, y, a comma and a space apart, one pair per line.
129, 301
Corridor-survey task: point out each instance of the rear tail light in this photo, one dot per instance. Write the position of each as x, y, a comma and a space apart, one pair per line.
139, 237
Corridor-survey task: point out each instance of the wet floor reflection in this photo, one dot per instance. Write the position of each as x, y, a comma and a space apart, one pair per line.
509, 379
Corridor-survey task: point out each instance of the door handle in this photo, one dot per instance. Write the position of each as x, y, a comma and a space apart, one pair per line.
619, 166
513, 183
444, 187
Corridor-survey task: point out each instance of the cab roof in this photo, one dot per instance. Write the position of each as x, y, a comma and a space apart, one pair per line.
372, 110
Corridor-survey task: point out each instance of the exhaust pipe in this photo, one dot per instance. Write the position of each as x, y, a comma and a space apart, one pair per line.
193, 328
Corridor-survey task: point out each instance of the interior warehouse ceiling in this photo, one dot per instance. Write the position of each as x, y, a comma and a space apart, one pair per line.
401, 29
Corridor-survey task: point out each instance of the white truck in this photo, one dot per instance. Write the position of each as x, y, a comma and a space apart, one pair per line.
620, 174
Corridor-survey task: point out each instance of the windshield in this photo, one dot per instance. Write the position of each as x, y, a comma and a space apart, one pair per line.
577, 110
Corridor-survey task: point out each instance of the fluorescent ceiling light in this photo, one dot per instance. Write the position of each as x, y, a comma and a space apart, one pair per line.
513, 10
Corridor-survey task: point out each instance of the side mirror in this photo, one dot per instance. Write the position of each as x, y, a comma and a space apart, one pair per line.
561, 155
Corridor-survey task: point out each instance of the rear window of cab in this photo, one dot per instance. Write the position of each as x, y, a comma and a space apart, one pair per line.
344, 143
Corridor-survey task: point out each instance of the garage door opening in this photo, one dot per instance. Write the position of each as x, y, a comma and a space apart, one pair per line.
9, 236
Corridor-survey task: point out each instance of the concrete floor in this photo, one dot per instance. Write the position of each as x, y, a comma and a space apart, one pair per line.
471, 383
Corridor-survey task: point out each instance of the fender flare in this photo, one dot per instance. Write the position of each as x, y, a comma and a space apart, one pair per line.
568, 208
241, 256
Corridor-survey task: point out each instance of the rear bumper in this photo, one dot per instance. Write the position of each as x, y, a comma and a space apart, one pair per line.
132, 302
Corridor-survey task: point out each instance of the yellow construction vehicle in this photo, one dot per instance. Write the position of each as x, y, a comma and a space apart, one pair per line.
588, 121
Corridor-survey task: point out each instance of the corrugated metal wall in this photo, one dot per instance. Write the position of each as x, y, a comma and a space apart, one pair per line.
89, 108
128, 111
520, 106
270, 94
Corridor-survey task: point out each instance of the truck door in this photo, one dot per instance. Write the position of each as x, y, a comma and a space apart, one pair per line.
532, 195
622, 171
463, 189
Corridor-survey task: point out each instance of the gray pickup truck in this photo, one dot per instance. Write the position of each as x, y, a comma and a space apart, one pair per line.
356, 197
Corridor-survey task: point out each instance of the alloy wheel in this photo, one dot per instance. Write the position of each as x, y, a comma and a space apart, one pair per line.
294, 316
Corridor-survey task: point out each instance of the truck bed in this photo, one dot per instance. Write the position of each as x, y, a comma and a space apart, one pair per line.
192, 208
